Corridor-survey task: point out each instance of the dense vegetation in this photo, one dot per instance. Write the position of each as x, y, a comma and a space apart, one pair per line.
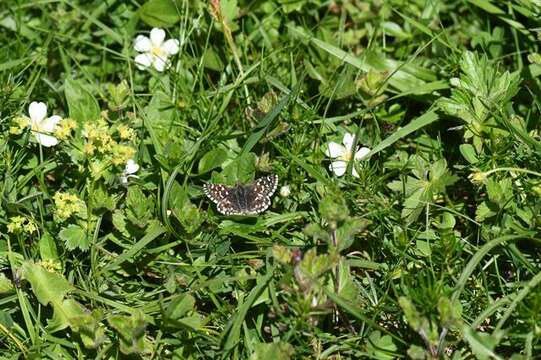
405, 136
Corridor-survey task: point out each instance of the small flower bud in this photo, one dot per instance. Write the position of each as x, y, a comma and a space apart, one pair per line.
285, 191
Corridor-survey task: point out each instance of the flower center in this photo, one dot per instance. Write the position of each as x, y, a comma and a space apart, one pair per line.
346, 156
37, 127
157, 51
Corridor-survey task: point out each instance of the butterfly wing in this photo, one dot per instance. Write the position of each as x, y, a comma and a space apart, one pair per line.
224, 198
258, 194
243, 200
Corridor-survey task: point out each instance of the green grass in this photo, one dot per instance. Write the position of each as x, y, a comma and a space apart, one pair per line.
432, 252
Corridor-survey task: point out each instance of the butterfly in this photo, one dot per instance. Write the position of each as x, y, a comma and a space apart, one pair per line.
241, 199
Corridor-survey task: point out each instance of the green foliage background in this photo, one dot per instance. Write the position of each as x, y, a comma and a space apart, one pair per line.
432, 252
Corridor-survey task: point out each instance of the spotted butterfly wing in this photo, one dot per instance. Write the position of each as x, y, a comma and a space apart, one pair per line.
223, 196
249, 199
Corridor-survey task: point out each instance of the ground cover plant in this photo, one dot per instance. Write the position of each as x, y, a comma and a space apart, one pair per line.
378, 164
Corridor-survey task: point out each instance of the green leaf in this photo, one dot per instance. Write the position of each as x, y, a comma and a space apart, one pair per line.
6, 285
484, 212
47, 247
231, 334
212, 159
102, 201
64, 312
154, 230
347, 289
481, 344
160, 13
189, 215
75, 237
131, 330
49, 287
179, 306
82, 105
381, 347
119, 222
268, 120
230, 11
5, 319
277, 350
346, 232
422, 121
413, 317
139, 207
242, 170
469, 153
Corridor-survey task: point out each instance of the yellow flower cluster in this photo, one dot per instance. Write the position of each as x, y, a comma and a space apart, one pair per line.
99, 141
126, 133
51, 265
64, 128
19, 124
98, 138
67, 205
21, 224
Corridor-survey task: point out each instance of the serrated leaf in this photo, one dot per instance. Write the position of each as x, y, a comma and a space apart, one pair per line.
119, 222
75, 237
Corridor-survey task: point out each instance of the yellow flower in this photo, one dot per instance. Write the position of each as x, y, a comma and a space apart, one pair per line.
121, 154
67, 205
477, 177
64, 128
51, 265
89, 149
126, 133
21, 224
29, 227
19, 124
15, 224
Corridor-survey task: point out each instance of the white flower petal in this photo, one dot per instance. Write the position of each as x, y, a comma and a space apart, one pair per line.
348, 141
335, 150
157, 36
37, 111
361, 153
131, 167
338, 167
142, 44
354, 172
171, 46
143, 61
160, 64
49, 124
45, 140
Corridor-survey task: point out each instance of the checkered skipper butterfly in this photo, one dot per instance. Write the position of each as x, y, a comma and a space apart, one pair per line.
240, 199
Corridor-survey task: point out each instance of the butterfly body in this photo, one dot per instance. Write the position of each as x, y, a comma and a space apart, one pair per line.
241, 199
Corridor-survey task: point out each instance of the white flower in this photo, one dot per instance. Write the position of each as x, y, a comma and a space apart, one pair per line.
42, 125
154, 51
343, 154
285, 191
131, 168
